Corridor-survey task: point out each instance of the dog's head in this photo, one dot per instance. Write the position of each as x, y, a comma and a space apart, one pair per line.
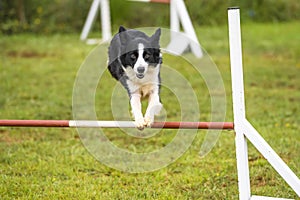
139, 51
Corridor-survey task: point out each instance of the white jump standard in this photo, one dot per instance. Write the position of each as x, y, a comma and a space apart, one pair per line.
242, 127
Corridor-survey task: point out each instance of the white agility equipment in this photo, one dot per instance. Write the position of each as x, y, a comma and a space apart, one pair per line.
180, 42
244, 130
103, 5
178, 15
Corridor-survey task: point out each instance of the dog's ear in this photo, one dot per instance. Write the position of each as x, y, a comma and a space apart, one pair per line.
122, 29
156, 36
123, 35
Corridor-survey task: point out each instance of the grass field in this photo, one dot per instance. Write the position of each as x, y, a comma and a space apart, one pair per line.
37, 75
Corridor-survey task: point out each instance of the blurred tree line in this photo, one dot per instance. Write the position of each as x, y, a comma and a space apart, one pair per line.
50, 16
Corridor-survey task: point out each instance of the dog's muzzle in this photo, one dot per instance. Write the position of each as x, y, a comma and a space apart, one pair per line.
140, 73
140, 76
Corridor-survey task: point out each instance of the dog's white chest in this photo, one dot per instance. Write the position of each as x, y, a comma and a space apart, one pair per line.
146, 90
146, 86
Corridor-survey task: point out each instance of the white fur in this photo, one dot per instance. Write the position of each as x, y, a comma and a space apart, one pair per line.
147, 86
140, 61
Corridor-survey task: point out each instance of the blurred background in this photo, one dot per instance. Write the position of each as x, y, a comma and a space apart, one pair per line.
52, 16
40, 57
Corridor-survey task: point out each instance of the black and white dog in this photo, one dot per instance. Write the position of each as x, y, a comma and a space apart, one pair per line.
135, 60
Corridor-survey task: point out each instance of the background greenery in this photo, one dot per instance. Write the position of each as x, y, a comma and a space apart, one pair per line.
49, 16
37, 74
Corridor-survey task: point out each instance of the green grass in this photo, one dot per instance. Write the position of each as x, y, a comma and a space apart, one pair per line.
37, 74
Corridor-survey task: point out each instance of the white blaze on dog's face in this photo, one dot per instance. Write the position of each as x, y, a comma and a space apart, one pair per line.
141, 66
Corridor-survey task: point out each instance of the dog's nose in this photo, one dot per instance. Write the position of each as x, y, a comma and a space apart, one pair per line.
141, 69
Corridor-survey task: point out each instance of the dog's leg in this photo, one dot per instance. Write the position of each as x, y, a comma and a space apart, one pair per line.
154, 107
135, 102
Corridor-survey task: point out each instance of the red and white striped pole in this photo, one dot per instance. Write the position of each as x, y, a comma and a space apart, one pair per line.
114, 124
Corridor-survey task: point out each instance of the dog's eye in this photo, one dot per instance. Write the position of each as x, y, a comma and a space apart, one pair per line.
146, 56
133, 56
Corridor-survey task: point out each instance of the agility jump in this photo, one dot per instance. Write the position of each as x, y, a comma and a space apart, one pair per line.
243, 129
115, 124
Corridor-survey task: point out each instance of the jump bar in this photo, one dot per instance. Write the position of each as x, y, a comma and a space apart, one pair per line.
114, 124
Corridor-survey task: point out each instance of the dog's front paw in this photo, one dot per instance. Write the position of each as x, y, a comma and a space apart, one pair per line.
140, 123
148, 121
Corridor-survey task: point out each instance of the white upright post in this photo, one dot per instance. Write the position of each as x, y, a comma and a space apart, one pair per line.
174, 20
105, 20
238, 102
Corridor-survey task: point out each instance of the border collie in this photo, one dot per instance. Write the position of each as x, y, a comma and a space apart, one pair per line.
135, 60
